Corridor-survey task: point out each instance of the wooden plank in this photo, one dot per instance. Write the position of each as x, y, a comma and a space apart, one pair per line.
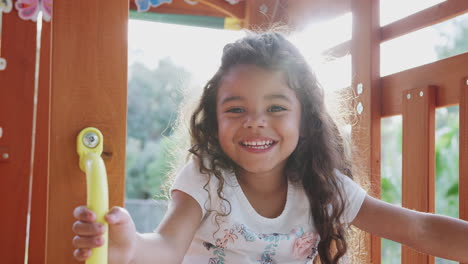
300, 13
88, 88
425, 18
463, 151
181, 7
418, 183
38, 223
16, 112
445, 74
463, 175
365, 50
339, 50
262, 14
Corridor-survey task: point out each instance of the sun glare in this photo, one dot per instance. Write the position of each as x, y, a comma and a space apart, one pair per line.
195, 48
317, 38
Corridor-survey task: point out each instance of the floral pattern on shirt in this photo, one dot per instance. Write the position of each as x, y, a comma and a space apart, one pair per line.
305, 244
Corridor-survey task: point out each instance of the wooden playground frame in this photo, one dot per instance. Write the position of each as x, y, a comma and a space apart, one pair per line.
83, 82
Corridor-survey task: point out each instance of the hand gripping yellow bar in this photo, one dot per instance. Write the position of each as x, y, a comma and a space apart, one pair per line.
89, 147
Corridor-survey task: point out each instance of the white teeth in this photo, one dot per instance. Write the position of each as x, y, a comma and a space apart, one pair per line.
258, 144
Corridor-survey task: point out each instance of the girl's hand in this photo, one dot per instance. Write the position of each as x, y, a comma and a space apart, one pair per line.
88, 235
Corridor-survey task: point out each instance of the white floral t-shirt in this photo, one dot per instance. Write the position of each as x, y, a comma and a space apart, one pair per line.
244, 236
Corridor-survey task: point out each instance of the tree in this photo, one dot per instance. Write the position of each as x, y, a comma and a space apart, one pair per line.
153, 100
455, 33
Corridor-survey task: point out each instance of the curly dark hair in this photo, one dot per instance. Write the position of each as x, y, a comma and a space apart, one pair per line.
320, 149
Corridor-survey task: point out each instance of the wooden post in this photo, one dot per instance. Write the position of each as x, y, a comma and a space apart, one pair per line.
418, 159
38, 222
463, 159
88, 88
16, 112
365, 50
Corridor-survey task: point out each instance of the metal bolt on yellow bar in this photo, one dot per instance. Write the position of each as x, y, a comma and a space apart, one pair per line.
233, 23
89, 145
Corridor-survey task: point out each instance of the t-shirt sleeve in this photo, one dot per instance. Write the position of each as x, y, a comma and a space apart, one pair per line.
354, 195
191, 181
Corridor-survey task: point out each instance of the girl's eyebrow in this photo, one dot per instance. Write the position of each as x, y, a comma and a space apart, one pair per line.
267, 97
278, 96
232, 98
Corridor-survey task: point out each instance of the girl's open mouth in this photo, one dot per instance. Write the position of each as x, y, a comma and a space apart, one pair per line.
257, 145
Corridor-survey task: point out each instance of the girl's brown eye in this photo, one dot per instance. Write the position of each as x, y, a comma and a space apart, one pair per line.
276, 108
235, 110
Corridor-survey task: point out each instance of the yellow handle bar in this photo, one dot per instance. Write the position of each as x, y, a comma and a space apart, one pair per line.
89, 147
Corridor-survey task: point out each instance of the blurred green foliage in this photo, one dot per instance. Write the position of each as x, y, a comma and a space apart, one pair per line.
455, 40
154, 96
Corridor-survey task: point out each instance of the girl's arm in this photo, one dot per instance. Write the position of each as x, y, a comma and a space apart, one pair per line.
435, 235
169, 243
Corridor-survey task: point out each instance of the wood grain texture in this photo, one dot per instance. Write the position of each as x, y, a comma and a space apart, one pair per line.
418, 183
180, 7
365, 50
425, 18
445, 74
463, 158
88, 88
38, 226
16, 112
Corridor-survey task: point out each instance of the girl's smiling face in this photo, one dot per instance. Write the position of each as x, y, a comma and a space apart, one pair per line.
258, 118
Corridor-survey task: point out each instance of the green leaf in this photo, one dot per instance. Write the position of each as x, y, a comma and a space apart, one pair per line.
452, 191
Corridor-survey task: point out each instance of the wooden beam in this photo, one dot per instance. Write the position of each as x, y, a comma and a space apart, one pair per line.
425, 18
16, 113
38, 223
365, 49
339, 50
181, 7
463, 175
88, 88
418, 159
446, 74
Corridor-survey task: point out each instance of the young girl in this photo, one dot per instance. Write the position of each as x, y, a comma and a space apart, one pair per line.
267, 180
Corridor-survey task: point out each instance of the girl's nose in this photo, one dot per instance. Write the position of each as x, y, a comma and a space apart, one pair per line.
255, 121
